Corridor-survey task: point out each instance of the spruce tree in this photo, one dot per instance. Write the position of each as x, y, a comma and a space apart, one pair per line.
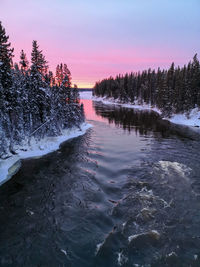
6, 55
173, 90
31, 102
75, 94
195, 81
23, 62
38, 59
38, 85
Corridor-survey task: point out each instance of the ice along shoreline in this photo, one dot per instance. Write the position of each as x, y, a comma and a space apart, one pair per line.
10, 166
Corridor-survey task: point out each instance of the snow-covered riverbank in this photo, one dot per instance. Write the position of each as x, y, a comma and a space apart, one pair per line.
8, 167
191, 119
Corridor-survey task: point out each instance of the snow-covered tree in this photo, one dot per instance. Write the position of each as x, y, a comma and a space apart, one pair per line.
6, 55
173, 90
32, 102
24, 64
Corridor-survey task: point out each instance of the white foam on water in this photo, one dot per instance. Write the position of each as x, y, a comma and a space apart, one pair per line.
30, 212
132, 237
124, 224
98, 247
169, 167
172, 254
121, 259
195, 257
153, 233
64, 252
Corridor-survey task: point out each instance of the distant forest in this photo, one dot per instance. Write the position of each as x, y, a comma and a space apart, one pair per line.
33, 102
175, 90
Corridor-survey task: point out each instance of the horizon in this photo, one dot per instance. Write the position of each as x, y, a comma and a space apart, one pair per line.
105, 38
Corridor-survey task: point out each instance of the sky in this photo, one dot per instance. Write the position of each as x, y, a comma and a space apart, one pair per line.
102, 38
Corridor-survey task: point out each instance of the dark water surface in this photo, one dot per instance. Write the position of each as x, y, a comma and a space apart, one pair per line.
127, 193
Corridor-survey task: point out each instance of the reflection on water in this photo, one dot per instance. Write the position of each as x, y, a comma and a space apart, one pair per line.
89, 111
144, 122
117, 196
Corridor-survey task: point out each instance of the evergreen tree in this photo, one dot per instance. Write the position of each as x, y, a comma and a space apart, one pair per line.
6, 55
38, 86
23, 62
38, 59
75, 95
32, 104
173, 90
195, 81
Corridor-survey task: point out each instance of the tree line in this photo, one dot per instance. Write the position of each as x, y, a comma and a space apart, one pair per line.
33, 101
174, 90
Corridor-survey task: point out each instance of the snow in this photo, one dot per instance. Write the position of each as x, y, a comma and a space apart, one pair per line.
126, 105
85, 95
191, 119
40, 148
8, 168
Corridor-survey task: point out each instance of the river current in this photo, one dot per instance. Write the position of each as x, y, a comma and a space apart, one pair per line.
127, 193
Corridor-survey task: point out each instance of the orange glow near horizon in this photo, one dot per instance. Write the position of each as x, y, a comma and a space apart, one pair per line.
99, 39
88, 85
88, 67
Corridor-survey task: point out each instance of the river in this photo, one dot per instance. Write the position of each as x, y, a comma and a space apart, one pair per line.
127, 193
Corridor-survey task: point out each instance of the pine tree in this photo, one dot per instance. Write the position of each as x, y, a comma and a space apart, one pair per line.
6, 55
38, 85
169, 91
173, 90
38, 59
75, 95
58, 76
195, 81
23, 62
31, 102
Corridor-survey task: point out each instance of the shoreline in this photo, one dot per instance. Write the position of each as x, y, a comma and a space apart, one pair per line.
11, 165
180, 118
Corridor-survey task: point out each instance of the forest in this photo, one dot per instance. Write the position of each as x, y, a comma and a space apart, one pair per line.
175, 90
33, 101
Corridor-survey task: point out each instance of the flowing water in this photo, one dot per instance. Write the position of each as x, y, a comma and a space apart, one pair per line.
127, 193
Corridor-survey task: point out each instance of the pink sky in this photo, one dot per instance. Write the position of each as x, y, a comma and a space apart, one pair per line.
98, 39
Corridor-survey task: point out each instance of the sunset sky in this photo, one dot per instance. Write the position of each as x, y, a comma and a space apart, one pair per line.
99, 38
